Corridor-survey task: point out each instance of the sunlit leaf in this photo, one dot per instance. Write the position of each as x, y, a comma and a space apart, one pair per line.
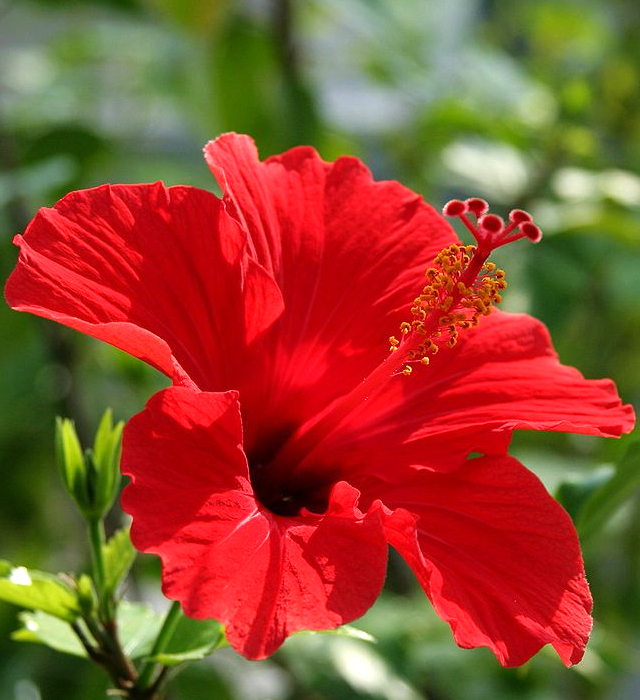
40, 628
346, 631
138, 626
37, 590
119, 555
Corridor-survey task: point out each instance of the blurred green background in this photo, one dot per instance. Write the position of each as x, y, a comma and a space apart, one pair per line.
529, 103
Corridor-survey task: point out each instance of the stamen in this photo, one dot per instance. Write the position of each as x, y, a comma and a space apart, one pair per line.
460, 287
461, 284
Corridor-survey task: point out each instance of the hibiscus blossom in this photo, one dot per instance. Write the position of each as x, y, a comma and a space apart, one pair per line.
326, 398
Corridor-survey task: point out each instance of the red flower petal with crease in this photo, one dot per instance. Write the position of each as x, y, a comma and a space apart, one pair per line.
161, 273
224, 555
497, 556
502, 376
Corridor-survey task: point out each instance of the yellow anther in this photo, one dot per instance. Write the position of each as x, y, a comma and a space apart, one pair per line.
452, 301
446, 303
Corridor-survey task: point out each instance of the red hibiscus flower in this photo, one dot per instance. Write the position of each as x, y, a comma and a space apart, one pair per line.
293, 448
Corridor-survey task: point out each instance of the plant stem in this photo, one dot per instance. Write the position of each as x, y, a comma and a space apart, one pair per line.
169, 625
97, 540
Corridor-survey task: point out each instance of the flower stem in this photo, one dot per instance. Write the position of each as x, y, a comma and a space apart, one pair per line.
97, 540
169, 625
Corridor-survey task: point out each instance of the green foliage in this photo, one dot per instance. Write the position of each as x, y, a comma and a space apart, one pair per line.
38, 590
138, 625
192, 640
119, 555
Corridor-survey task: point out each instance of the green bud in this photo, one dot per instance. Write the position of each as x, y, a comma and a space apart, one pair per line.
71, 461
92, 478
106, 453
87, 598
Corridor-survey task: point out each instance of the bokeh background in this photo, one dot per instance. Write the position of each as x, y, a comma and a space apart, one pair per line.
529, 103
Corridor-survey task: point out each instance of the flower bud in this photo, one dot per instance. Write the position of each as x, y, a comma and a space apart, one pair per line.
71, 461
87, 597
92, 478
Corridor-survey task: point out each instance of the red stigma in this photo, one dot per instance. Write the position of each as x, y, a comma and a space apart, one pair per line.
489, 230
455, 208
477, 206
490, 224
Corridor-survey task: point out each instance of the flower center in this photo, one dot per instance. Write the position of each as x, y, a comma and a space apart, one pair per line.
461, 286
283, 491
289, 496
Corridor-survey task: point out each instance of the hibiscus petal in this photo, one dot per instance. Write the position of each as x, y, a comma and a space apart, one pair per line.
224, 555
348, 254
502, 376
507, 376
497, 556
161, 273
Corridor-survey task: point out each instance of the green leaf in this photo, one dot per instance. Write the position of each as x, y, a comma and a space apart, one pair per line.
40, 628
192, 641
119, 555
138, 626
345, 631
573, 494
606, 500
37, 590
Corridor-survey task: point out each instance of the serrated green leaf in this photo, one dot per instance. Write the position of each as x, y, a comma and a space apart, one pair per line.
138, 626
192, 641
37, 590
604, 501
119, 555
